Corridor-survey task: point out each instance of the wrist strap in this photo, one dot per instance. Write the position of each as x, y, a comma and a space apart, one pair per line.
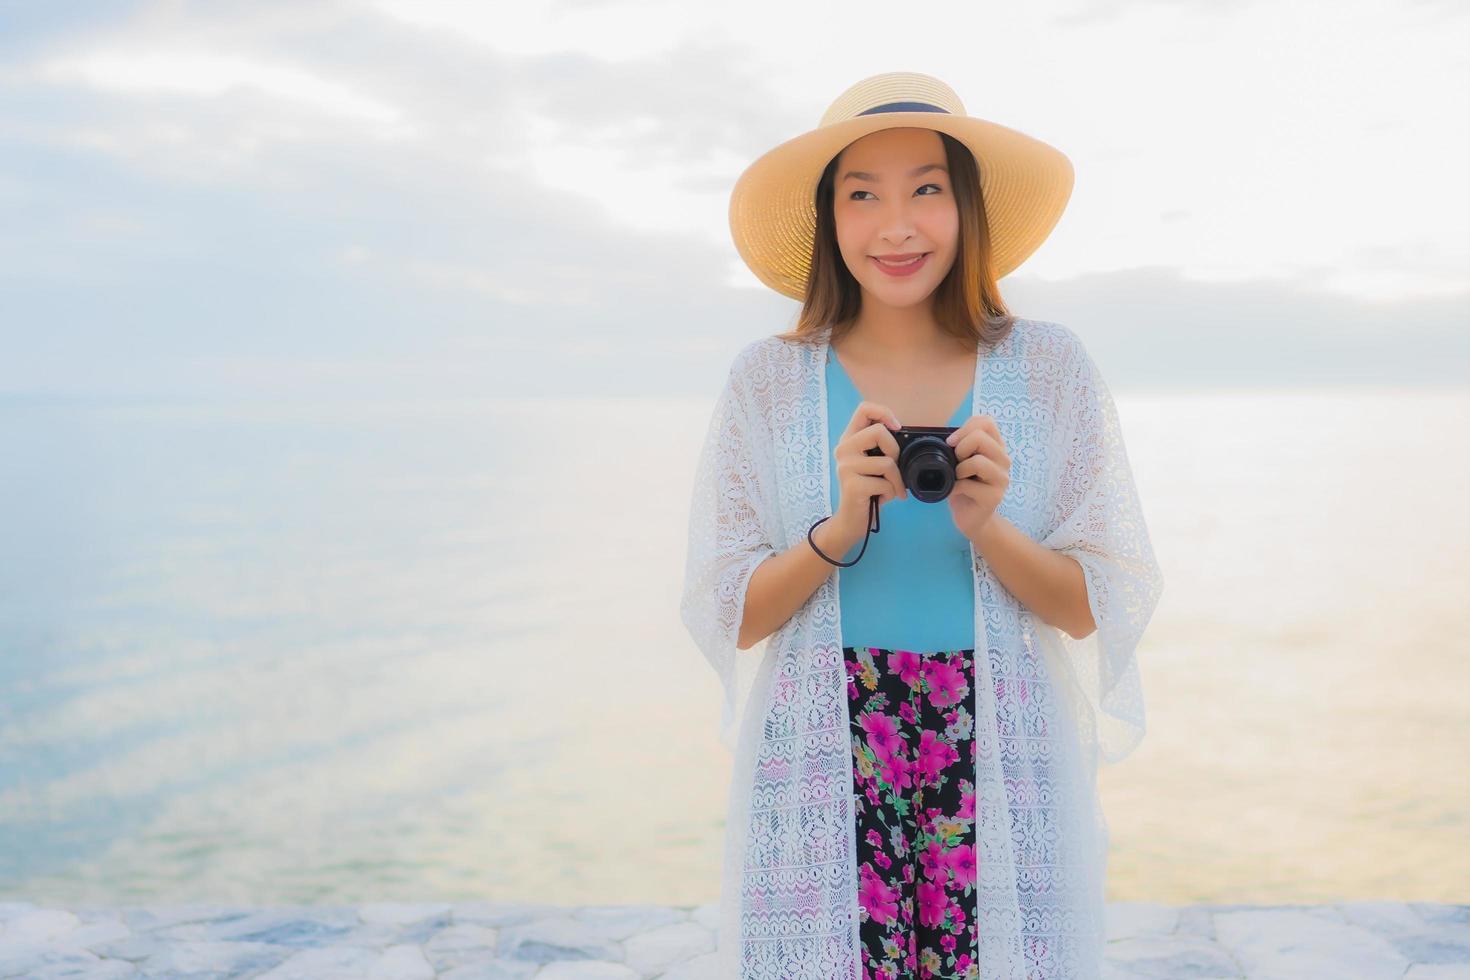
872, 529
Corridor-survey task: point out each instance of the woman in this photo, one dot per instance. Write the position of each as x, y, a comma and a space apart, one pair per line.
917, 729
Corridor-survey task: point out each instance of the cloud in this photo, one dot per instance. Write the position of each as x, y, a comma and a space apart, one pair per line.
371, 206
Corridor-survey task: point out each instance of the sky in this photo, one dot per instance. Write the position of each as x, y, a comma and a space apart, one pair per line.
422, 198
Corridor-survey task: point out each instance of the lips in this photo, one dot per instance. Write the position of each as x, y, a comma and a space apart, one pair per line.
900, 264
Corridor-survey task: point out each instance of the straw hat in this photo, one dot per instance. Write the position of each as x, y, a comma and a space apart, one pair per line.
773, 216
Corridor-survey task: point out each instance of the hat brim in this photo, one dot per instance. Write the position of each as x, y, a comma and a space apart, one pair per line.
773, 218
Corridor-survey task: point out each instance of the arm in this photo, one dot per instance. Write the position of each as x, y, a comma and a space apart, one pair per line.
1095, 518
787, 579
1047, 582
730, 535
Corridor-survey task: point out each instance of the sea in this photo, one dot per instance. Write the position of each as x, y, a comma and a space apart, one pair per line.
292, 652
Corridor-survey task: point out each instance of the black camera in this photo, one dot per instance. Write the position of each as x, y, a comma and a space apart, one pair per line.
925, 461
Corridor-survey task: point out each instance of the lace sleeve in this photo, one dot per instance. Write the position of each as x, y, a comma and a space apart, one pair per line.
727, 540
1096, 518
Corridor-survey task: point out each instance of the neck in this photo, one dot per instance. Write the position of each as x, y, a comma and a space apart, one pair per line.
897, 335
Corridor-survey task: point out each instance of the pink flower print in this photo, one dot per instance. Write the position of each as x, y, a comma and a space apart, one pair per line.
907, 713
933, 903
933, 755
967, 805
883, 860
874, 838
879, 727
961, 861
932, 860
906, 664
893, 766
880, 900
852, 691
947, 684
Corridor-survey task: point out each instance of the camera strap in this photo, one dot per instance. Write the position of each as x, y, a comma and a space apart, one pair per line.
872, 529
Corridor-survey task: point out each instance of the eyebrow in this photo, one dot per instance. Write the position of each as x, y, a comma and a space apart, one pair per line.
864, 175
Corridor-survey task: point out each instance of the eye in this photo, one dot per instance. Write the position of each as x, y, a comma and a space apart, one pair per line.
935, 186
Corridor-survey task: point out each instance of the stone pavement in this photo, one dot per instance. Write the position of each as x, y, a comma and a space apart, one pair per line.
495, 941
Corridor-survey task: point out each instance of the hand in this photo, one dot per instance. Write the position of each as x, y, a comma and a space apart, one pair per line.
982, 473
861, 476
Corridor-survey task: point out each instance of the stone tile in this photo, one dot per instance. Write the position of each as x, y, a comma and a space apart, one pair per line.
9, 910
492, 970
70, 963
1171, 958
1437, 946
1437, 913
1438, 971
552, 940
287, 926
214, 959
505, 941
1197, 921
1128, 919
621, 921
467, 944
151, 917
653, 952
707, 915
39, 925
1288, 944
505, 913
1384, 918
587, 970
402, 913
700, 968
353, 963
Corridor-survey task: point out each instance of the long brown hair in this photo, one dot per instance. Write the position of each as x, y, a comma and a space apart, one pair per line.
967, 302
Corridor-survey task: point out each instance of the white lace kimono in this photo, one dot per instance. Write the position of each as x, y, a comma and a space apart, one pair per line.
1047, 705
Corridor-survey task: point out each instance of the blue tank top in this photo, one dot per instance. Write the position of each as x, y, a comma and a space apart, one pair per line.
913, 588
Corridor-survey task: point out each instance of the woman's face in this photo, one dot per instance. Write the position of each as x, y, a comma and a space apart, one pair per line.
883, 206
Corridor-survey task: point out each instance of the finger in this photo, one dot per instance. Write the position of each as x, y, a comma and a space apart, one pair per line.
875, 486
886, 469
874, 435
983, 468
866, 414
983, 423
882, 438
896, 478
979, 441
889, 445
970, 489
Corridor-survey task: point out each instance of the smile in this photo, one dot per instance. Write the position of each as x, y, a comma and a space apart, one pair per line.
900, 268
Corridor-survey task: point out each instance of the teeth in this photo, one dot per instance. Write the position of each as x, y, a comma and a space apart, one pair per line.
899, 265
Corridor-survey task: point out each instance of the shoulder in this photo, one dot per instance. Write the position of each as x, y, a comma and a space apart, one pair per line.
765, 358
1046, 340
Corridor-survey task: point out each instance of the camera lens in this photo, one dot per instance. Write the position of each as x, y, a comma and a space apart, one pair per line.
928, 468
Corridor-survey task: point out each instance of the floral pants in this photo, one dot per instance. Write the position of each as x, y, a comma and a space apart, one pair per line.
913, 742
